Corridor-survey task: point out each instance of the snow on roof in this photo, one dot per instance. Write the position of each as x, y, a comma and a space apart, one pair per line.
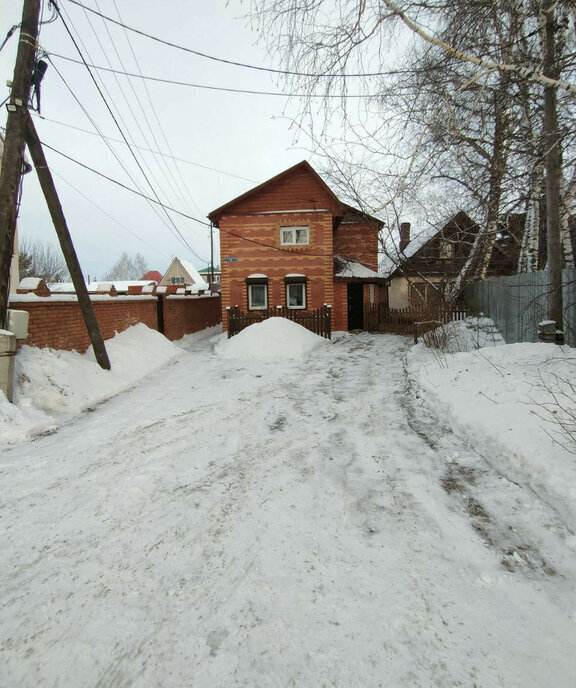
191, 270
295, 274
29, 283
395, 257
257, 275
121, 286
350, 268
274, 338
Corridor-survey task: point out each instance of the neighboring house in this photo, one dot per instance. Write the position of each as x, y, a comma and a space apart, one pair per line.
291, 242
424, 267
184, 273
209, 275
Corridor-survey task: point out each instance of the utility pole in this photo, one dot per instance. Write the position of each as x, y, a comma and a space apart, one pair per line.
59, 221
13, 156
211, 252
20, 129
553, 160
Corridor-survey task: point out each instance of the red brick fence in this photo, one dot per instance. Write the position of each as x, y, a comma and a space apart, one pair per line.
55, 320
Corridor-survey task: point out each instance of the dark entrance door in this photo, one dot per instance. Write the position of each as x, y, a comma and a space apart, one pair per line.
355, 306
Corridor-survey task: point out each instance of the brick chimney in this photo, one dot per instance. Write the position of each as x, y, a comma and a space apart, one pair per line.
404, 235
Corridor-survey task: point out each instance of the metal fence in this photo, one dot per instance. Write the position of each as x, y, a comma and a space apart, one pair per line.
517, 303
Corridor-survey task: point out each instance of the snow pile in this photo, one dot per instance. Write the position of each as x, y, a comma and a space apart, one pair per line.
51, 385
272, 338
466, 335
501, 399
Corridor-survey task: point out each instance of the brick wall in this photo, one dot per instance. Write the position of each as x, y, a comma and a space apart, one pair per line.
57, 322
258, 250
357, 242
184, 315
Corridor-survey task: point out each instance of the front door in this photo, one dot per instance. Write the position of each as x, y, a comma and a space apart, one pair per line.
355, 306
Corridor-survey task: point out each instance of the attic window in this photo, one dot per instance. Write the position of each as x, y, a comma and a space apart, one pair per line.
291, 236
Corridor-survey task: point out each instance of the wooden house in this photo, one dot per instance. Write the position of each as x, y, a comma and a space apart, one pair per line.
424, 267
184, 273
291, 242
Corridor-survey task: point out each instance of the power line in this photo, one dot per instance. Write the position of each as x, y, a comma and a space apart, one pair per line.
122, 133
149, 150
183, 186
150, 201
222, 60
163, 167
120, 224
282, 249
174, 82
128, 188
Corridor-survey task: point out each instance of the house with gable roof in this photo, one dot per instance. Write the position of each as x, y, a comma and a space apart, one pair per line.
421, 269
183, 272
292, 242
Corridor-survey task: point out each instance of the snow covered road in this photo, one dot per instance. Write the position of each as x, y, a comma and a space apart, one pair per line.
277, 523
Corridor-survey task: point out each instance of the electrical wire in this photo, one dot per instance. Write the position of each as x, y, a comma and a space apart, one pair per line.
282, 249
120, 224
149, 150
151, 202
125, 186
183, 188
132, 113
222, 60
68, 31
341, 96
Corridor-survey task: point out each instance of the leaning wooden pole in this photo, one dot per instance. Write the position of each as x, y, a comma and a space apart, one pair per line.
13, 155
57, 214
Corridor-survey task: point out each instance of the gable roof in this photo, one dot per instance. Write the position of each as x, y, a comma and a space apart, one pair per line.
303, 166
391, 263
188, 268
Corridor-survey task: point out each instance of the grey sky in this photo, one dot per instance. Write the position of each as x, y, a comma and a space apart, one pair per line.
246, 136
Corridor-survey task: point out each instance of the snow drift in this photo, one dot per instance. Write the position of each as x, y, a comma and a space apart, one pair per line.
272, 338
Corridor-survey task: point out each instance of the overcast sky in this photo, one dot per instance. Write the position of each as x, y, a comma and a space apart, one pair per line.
226, 142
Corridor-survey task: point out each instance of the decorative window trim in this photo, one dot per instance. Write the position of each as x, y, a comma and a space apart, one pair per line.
257, 280
291, 281
290, 235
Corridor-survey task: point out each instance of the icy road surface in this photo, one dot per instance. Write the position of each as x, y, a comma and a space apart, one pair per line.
277, 523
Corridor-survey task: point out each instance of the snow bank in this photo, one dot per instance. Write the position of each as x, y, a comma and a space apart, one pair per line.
52, 385
272, 338
466, 335
500, 399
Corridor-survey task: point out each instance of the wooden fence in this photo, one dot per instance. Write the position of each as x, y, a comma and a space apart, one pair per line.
317, 321
380, 318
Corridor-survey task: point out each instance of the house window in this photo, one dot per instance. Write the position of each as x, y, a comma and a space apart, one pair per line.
177, 280
446, 249
290, 236
295, 291
257, 292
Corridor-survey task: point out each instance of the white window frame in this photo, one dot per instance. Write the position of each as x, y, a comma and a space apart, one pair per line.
302, 285
251, 307
289, 235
